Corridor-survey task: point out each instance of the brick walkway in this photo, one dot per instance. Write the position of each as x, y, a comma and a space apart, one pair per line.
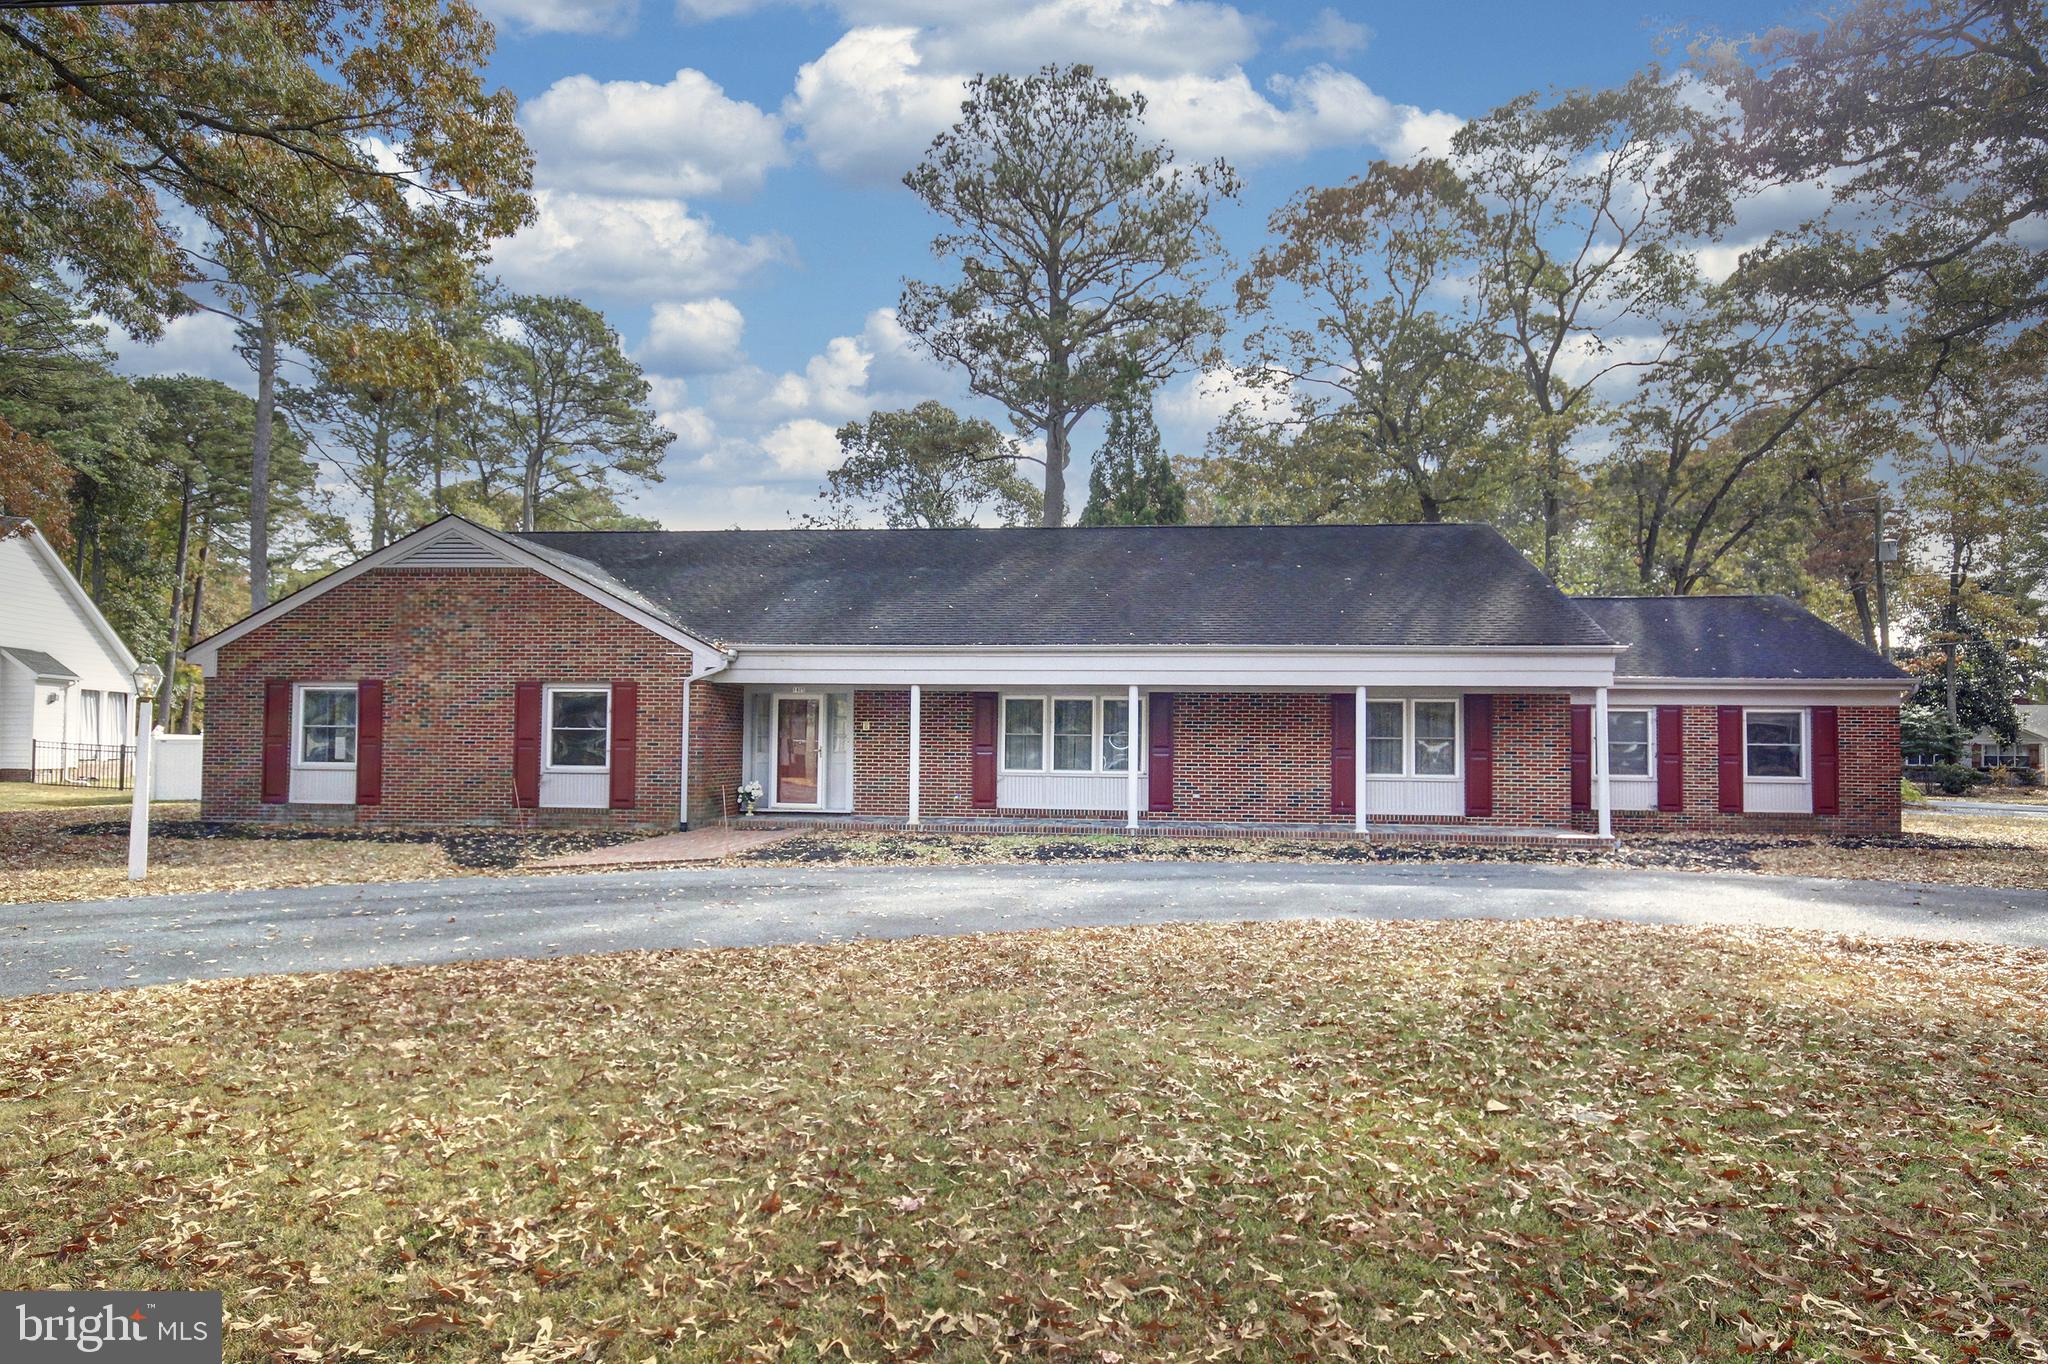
698, 845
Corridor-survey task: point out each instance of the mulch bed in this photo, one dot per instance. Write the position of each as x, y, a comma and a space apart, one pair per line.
470, 848
1662, 852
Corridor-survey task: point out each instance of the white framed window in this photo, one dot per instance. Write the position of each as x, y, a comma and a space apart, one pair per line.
326, 726
88, 716
1069, 735
578, 727
1422, 738
1386, 741
1116, 734
1073, 734
1023, 734
1774, 745
1436, 738
1631, 743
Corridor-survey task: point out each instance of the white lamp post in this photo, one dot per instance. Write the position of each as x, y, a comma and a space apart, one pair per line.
147, 679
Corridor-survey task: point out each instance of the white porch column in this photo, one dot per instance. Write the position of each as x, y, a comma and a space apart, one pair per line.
1131, 729
683, 814
1358, 750
1602, 795
916, 745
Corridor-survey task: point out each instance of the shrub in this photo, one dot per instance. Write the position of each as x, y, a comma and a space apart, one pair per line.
1910, 792
2027, 776
1953, 778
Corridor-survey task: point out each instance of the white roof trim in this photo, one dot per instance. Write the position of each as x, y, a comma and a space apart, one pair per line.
705, 656
72, 587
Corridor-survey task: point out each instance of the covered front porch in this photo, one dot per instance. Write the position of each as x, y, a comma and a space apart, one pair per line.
1473, 747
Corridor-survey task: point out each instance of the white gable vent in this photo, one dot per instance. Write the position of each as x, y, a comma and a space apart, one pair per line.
452, 551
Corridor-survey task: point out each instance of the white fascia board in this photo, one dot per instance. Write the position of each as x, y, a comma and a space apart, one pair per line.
1756, 691
81, 599
1185, 668
706, 657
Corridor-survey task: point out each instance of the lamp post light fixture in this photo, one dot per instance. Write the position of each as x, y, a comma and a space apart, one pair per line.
147, 678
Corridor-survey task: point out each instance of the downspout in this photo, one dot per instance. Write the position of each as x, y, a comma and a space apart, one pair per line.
683, 800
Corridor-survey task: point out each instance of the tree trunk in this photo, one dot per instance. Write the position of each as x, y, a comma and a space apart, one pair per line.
1859, 594
1056, 446
259, 464
178, 563
380, 482
529, 490
187, 711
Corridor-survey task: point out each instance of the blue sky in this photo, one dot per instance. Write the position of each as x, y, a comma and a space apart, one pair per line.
721, 176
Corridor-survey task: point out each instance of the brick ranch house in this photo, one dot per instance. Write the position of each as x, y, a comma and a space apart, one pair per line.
1338, 676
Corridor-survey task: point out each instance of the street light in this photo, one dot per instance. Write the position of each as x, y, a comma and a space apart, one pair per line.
147, 678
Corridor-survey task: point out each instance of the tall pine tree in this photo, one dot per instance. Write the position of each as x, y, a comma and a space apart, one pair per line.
1132, 482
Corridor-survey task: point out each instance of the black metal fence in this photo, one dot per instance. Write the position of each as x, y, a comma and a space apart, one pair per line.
107, 765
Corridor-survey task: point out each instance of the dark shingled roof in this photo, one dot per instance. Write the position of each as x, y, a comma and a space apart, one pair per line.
44, 666
1430, 586
1770, 637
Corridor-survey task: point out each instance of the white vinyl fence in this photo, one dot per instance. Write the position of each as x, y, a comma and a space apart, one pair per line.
175, 771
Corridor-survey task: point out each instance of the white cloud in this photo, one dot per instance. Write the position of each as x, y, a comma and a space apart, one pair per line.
564, 16
199, 344
695, 337
632, 137
1189, 408
633, 247
866, 106
1331, 33
1132, 36
802, 448
871, 103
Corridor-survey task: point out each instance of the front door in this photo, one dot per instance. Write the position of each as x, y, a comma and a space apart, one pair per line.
798, 736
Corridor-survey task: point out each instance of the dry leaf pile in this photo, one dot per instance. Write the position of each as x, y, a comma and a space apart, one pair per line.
1283, 1141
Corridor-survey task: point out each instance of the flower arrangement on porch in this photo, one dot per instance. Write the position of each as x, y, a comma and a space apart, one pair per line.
749, 794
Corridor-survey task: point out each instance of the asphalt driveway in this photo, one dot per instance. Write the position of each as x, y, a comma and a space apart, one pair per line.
154, 939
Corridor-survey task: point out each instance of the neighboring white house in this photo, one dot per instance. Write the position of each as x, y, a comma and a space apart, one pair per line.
1986, 750
66, 679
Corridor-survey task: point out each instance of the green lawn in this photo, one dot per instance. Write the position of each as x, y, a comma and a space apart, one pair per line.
22, 795
1285, 1141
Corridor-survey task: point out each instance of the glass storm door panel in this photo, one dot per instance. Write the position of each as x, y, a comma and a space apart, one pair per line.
796, 750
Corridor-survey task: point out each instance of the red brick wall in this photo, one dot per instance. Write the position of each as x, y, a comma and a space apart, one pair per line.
1532, 751
1869, 759
449, 645
717, 725
1252, 756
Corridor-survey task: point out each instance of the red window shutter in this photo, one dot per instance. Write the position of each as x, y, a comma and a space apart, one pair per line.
277, 741
1670, 757
1827, 761
370, 742
1343, 753
625, 743
526, 745
1731, 760
984, 742
1478, 753
1582, 758
1159, 782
